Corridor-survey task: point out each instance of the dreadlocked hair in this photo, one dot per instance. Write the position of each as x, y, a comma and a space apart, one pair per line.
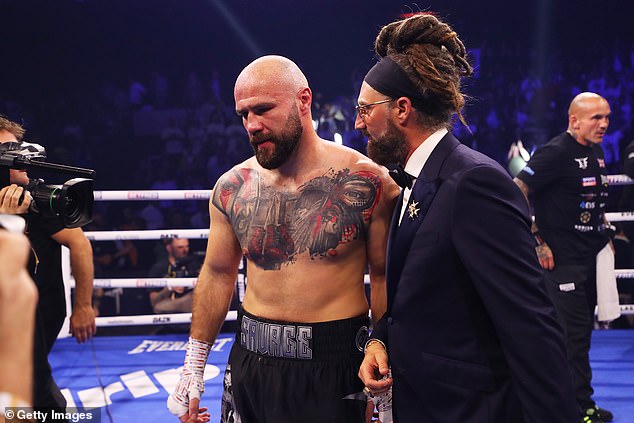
434, 58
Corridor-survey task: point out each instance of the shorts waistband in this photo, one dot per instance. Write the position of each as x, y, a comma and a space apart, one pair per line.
320, 341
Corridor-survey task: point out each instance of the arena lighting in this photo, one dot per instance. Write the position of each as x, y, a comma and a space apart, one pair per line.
242, 33
338, 139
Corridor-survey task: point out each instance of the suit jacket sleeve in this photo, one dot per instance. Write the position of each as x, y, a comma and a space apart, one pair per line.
491, 233
380, 330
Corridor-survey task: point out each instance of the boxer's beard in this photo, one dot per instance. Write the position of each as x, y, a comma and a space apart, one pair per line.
284, 143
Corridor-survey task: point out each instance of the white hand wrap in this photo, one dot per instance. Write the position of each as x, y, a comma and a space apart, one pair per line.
8, 400
191, 383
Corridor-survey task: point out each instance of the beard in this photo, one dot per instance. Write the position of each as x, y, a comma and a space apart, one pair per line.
390, 147
284, 143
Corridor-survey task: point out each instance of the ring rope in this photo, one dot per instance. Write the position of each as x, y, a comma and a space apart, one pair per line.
191, 282
180, 318
180, 282
147, 234
623, 216
205, 194
144, 283
146, 195
154, 319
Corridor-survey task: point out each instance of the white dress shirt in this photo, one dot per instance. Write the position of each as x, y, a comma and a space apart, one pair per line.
416, 162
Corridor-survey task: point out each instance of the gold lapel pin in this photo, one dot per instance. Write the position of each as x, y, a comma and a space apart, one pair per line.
413, 210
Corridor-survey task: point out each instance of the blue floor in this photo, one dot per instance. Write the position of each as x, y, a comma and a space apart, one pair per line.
138, 372
612, 360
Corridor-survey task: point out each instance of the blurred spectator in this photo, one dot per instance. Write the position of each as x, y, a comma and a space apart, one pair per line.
159, 90
193, 94
152, 216
136, 94
178, 264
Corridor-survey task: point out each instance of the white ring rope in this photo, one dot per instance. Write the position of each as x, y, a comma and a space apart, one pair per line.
171, 282
191, 282
624, 273
204, 194
154, 319
146, 195
147, 234
623, 216
145, 283
180, 318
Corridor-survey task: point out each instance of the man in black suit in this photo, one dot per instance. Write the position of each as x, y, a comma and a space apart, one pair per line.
470, 334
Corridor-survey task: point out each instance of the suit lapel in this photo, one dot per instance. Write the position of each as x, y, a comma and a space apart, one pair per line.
401, 237
391, 239
421, 198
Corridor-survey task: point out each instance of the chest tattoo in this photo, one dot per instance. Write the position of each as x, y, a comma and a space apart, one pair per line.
273, 226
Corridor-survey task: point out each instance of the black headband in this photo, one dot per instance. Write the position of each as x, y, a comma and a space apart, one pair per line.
388, 78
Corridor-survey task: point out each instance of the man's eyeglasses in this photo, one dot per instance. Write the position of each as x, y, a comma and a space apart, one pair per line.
363, 109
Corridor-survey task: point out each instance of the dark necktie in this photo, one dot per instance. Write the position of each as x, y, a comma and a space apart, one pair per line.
402, 178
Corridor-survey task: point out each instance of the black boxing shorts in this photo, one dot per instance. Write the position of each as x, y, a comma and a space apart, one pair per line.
286, 372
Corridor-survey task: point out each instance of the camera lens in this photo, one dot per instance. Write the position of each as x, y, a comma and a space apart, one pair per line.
71, 202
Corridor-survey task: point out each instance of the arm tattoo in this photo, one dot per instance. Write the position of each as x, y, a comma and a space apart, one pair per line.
274, 226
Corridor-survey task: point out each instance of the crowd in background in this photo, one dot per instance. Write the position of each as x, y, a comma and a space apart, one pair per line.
151, 131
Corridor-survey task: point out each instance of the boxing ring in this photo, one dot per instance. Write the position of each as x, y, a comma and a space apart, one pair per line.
121, 378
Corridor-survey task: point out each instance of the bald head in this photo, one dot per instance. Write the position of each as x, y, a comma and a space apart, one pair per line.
273, 72
584, 101
588, 118
273, 99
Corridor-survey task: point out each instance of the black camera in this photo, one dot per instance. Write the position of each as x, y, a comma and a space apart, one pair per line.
70, 202
188, 266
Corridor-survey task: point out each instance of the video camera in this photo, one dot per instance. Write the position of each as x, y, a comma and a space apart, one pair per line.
71, 202
188, 266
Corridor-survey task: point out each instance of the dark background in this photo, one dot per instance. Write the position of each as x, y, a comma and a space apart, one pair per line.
62, 61
49, 45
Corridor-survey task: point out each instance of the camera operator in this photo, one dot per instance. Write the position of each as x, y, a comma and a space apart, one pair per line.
177, 264
46, 236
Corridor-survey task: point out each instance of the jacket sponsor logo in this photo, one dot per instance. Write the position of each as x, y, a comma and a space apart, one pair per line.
584, 228
582, 162
585, 217
587, 205
589, 181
